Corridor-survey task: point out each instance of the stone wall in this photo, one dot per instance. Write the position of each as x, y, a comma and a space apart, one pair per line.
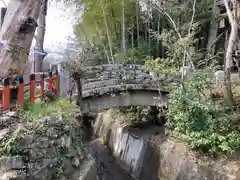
48, 148
151, 155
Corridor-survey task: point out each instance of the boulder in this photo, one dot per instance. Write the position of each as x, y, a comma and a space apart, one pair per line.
11, 163
13, 175
219, 78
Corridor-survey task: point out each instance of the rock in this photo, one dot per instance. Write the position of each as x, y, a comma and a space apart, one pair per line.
177, 163
154, 75
11, 163
59, 123
172, 80
45, 120
8, 118
219, 78
76, 162
73, 153
13, 175
41, 169
4, 133
185, 70
9, 115
66, 141
67, 167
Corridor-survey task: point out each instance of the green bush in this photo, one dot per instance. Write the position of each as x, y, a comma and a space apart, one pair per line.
203, 123
133, 113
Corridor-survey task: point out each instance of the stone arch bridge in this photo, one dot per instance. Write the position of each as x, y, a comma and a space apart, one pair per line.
117, 85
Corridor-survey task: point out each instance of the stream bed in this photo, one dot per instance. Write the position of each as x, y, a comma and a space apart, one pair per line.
107, 167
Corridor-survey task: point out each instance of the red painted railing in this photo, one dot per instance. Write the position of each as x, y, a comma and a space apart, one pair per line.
7, 88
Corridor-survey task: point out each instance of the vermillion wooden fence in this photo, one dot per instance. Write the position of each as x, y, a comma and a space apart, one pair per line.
13, 91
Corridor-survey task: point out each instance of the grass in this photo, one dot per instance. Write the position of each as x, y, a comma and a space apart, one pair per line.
60, 108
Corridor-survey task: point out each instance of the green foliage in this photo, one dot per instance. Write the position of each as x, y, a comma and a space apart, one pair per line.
184, 11
93, 18
134, 114
203, 123
58, 107
136, 55
162, 66
59, 141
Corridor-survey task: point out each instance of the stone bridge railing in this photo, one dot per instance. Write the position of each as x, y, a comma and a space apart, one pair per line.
115, 85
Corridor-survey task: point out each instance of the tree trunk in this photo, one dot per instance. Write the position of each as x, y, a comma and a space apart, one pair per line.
149, 23
17, 33
107, 31
123, 28
137, 22
38, 58
158, 31
228, 95
132, 34
100, 37
213, 31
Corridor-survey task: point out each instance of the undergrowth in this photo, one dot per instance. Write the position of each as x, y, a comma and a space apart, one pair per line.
205, 124
34, 141
58, 107
133, 114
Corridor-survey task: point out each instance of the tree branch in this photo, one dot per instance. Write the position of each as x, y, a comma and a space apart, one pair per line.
4, 3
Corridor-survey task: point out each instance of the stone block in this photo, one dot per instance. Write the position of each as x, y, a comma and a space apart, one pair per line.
11, 163
13, 175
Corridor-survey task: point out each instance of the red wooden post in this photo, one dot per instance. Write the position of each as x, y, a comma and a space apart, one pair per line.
6, 94
32, 84
57, 79
50, 82
42, 86
20, 97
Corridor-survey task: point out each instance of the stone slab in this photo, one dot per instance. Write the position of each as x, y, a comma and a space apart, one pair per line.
138, 98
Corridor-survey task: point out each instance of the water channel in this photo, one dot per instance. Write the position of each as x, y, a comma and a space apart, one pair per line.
107, 167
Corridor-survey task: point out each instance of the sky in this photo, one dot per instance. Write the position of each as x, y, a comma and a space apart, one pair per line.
59, 25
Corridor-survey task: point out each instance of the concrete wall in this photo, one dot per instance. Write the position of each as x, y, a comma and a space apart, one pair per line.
128, 148
160, 158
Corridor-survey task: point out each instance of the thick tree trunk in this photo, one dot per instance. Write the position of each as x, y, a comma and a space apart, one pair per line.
17, 32
38, 58
229, 52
